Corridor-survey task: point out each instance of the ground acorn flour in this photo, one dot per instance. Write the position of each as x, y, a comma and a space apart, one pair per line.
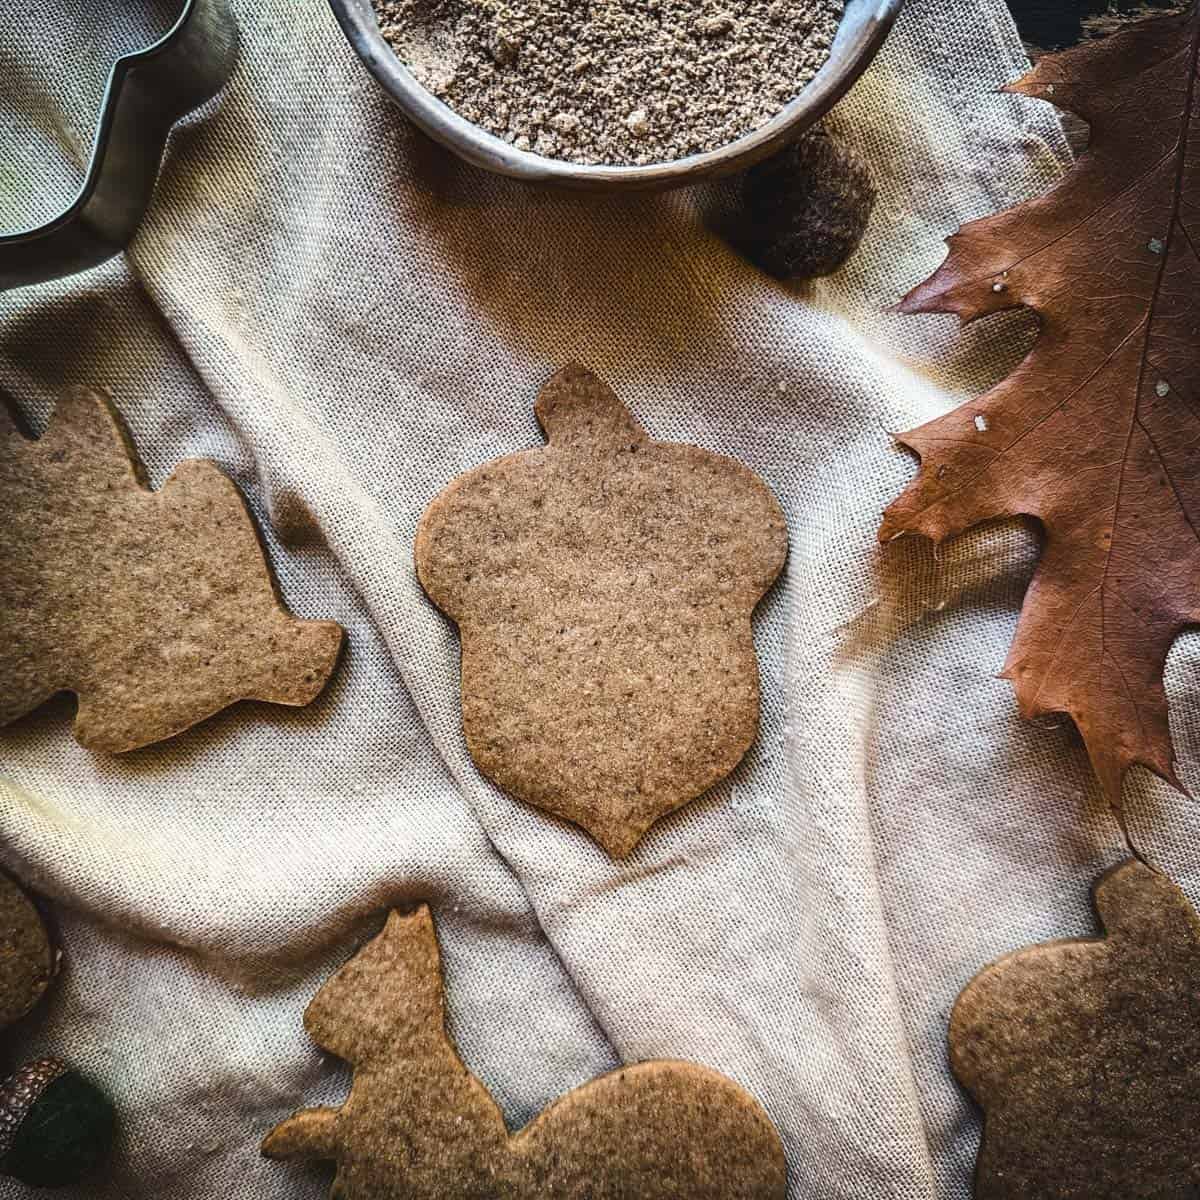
613, 81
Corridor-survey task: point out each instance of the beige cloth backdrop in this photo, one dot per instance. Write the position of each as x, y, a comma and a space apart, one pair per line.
344, 318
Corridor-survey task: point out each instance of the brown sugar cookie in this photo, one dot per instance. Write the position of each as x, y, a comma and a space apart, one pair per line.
156, 609
419, 1126
26, 956
1085, 1055
603, 586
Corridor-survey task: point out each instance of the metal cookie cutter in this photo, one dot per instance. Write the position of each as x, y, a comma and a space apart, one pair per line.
147, 92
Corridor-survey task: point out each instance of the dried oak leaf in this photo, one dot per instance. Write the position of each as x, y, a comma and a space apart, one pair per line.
1096, 434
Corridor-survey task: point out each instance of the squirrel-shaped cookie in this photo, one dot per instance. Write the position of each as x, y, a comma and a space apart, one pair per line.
419, 1126
1085, 1054
157, 609
602, 586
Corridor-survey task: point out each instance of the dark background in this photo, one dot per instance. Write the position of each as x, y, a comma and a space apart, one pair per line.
1053, 24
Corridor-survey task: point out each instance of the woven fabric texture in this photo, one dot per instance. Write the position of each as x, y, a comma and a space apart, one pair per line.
344, 317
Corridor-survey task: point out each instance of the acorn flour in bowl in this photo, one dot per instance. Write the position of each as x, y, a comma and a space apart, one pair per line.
614, 82
603, 100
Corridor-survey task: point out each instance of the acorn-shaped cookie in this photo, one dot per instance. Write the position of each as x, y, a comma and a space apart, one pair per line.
603, 586
55, 1126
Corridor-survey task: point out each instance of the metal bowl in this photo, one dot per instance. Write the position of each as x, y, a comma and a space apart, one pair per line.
864, 25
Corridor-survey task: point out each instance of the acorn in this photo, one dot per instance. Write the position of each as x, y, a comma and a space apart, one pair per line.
55, 1126
805, 210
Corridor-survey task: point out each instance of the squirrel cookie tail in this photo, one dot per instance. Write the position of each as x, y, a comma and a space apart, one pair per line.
309, 1135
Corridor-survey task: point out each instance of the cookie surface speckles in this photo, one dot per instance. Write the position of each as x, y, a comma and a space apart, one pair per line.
603, 587
26, 956
1085, 1055
157, 609
419, 1126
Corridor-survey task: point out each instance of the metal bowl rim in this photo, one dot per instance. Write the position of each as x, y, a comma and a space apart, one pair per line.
476, 145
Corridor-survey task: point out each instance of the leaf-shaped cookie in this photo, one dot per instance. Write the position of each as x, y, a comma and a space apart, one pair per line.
1097, 432
156, 609
603, 586
419, 1126
1085, 1055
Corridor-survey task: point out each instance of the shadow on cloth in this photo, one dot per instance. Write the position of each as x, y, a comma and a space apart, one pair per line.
621, 276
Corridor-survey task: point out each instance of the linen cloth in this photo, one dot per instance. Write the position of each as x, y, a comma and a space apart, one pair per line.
344, 317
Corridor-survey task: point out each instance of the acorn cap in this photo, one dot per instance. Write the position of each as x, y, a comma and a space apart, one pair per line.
26, 956
806, 208
55, 1126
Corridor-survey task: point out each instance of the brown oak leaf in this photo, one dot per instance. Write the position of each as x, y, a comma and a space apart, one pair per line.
1096, 433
